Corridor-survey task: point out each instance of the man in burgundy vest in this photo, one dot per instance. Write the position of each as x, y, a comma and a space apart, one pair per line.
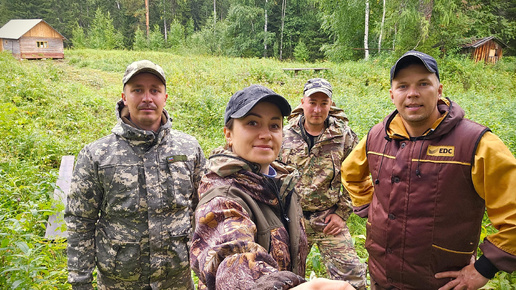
424, 177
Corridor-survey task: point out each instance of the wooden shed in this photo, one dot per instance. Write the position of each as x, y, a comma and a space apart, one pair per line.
31, 39
487, 49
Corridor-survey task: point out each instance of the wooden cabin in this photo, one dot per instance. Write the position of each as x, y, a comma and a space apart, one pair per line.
31, 39
487, 49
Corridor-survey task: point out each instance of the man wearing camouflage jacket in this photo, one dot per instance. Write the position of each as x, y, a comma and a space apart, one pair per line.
316, 141
130, 207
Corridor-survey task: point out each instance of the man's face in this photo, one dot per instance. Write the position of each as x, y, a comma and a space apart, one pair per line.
415, 92
316, 108
145, 96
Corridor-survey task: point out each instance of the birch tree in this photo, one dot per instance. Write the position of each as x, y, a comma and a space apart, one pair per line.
381, 29
366, 30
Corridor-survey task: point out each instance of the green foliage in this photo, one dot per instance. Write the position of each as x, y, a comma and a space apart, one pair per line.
176, 35
140, 41
102, 34
78, 37
156, 39
53, 108
301, 52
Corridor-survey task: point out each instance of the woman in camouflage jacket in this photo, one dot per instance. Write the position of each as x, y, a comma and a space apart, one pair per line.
249, 232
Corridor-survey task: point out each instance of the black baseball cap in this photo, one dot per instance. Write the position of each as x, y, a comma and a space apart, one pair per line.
244, 101
414, 56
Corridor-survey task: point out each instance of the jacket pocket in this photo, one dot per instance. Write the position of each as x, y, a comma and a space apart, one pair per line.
117, 259
444, 259
177, 251
122, 195
179, 184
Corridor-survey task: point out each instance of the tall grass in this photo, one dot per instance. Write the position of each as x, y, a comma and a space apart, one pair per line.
52, 108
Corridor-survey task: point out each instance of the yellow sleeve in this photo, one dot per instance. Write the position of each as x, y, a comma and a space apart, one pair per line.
494, 178
356, 177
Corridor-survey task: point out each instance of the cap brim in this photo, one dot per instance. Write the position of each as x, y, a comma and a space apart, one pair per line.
147, 70
318, 90
278, 100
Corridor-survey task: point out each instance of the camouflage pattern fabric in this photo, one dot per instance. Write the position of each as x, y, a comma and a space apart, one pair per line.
320, 184
228, 251
321, 189
130, 208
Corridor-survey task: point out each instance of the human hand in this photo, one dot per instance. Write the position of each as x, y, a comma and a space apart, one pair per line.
467, 278
334, 226
324, 284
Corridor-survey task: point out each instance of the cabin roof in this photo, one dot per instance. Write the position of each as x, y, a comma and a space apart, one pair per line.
16, 28
479, 42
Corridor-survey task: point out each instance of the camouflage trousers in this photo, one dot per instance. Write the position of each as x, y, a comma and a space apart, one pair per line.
338, 255
172, 283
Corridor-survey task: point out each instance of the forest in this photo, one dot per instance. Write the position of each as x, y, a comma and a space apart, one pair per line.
302, 30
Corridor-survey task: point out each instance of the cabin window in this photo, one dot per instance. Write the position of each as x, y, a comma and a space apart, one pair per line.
42, 44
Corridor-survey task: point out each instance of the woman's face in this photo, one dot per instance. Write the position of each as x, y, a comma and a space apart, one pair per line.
257, 137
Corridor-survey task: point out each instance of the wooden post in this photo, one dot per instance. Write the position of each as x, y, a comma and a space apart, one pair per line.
56, 227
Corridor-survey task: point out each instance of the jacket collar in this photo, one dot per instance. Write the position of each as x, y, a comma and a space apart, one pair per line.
126, 129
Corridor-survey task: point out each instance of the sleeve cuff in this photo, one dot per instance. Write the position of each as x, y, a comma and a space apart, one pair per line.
485, 267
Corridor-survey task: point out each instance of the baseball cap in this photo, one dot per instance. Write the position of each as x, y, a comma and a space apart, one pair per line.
244, 100
317, 85
413, 56
141, 66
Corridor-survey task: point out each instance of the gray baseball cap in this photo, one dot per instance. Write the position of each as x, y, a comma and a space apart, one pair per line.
414, 56
317, 85
144, 66
243, 101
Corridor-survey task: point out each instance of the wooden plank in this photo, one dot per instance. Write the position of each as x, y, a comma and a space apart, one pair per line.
296, 70
56, 227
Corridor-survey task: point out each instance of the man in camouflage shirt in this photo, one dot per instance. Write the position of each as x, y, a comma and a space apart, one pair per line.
316, 141
130, 207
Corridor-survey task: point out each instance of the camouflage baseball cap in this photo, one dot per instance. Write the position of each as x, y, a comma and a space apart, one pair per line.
244, 101
317, 85
144, 66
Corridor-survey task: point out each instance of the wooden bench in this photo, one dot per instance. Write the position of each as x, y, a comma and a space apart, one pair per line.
56, 227
296, 70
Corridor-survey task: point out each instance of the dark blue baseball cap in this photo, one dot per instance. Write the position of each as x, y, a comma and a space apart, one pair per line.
243, 101
414, 56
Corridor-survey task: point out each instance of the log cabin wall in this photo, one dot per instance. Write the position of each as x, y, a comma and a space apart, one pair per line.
490, 52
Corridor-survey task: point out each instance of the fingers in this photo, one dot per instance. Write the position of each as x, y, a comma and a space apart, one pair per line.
450, 285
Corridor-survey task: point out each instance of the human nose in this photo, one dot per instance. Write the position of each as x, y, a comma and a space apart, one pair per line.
317, 109
265, 133
147, 97
412, 92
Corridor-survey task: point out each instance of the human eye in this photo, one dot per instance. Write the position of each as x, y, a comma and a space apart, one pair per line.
252, 123
276, 126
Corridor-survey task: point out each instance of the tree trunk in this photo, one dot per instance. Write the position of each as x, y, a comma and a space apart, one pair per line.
426, 7
147, 16
214, 13
366, 30
283, 8
265, 30
165, 20
381, 29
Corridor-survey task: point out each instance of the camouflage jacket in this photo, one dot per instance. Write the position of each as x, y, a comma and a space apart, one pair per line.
130, 208
320, 183
249, 232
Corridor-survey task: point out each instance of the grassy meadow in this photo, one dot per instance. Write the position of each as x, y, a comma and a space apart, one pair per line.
51, 108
